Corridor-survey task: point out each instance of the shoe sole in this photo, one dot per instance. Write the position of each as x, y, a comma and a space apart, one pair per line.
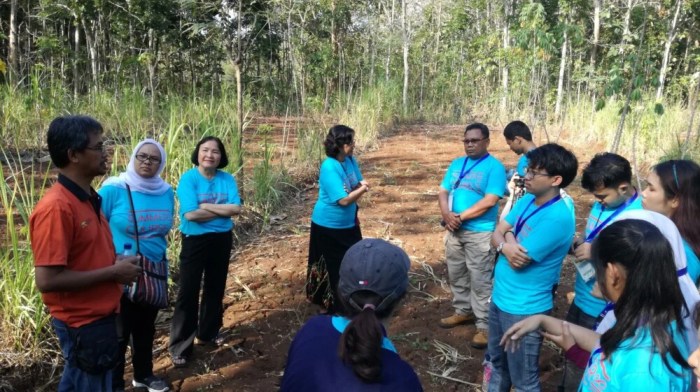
137, 384
448, 326
478, 345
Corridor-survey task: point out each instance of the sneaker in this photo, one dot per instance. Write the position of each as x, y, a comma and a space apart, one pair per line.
152, 383
456, 319
480, 339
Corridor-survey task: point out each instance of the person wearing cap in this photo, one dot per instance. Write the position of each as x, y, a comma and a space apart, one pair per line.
350, 351
468, 200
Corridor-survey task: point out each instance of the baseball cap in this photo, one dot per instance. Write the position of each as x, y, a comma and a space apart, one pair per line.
377, 266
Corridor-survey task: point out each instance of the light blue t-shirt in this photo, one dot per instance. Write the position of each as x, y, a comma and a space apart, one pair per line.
195, 189
335, 182
487, 177
692, 262
547, 236
154, 215
589, 304
635, 367
522, 165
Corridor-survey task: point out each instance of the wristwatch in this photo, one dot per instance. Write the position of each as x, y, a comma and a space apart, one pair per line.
499, 248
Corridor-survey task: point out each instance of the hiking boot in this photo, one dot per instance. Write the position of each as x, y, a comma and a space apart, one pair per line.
456, 319
480, 339
152, 383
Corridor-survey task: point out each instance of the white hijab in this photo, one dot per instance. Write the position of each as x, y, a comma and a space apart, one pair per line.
150, 186
690, 292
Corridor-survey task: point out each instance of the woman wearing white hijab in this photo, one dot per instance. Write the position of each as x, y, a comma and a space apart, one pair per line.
153, 207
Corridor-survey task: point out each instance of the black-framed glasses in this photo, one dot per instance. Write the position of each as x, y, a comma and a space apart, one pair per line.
473, 141
532, 174
143, 158
99, 147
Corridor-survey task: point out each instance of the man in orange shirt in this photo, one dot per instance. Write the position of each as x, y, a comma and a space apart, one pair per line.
75, 262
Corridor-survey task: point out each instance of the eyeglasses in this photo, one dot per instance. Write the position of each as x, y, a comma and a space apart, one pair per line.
533, 174
143, 158
473, 141
100, 147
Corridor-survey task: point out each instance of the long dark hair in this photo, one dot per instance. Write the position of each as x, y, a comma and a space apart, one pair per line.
360, 346
681, 179
651, 296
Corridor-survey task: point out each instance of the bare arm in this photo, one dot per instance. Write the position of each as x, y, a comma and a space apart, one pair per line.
354, 195
584, 338
200, 215
515, 253
480, 207
59, 278
225, 210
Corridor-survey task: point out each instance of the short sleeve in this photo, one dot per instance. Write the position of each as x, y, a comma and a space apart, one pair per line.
233, 196
517, 209
446, 183
187, 194
51, 232
332, 182
497, 182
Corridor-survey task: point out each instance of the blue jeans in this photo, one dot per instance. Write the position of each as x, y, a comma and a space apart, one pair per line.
520, 368
74, 379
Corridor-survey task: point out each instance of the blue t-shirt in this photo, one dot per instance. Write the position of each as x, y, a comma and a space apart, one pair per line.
637, 366
589, 304
692, 262
522, 165
487, 177
195, 189
547, 236
154, 215
335, 181
313, 364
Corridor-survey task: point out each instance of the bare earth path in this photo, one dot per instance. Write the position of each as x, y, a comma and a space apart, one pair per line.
265, 303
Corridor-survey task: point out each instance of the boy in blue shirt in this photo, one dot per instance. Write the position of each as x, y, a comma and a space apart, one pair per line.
532, 241
519, 139
609, 178
468, 199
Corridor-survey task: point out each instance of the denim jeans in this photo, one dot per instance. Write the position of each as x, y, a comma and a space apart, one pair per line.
519, 369
74, 379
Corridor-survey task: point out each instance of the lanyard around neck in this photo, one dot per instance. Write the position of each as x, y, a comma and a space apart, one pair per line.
521, 219
463, 173
618, 210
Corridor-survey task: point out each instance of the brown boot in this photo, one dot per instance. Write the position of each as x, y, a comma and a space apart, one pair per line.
480, 339
456, 319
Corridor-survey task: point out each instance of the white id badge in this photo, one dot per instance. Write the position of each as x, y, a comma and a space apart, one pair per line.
450, 197
586, 270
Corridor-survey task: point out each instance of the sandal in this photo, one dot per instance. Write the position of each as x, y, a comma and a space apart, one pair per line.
179, 361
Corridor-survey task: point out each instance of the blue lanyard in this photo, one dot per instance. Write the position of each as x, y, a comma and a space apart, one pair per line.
601, 226
594, 353
463, 173
521, 221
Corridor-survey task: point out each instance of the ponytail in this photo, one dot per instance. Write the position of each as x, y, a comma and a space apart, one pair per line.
361, 345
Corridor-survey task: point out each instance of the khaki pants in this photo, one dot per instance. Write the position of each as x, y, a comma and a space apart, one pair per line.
470, 261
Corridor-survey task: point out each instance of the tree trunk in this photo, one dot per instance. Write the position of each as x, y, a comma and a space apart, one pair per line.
667, 50
76, 57
13, 56
597, 4
626, 26
388, 47
562, 69
406, 43
239, 93
507, 9
92, 50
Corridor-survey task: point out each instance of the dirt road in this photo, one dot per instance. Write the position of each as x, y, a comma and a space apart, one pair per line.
265, 303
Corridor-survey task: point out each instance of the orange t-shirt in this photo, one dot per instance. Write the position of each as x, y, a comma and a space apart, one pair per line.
67, 231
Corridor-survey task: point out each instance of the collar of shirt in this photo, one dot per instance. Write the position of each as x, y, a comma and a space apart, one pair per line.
94, 198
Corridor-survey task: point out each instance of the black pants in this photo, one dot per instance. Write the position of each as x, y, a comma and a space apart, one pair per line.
208, 255
135, 323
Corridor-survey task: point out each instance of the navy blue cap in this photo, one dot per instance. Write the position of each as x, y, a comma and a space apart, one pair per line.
377, 266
